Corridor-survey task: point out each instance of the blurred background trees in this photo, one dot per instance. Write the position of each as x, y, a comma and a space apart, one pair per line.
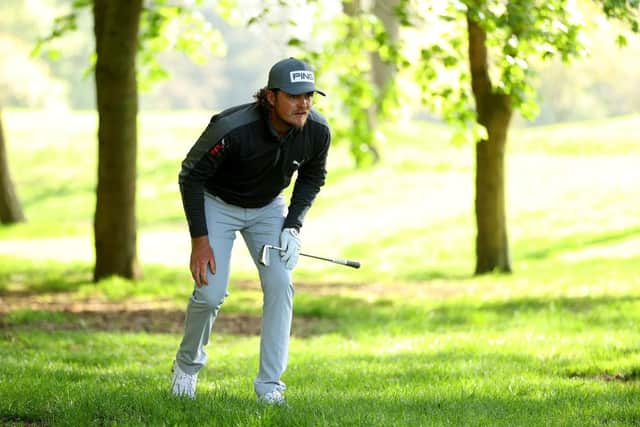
352, 44
601, 84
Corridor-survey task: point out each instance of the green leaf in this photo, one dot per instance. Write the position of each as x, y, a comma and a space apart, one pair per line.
79, 4
295, 42
54, 54
621, 40
450, 61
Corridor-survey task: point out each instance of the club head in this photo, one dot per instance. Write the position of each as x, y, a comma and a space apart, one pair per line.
264, 256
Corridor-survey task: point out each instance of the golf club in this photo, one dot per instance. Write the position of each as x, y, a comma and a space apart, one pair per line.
264, 257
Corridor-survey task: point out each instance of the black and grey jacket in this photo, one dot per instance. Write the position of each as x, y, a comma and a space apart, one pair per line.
241, 159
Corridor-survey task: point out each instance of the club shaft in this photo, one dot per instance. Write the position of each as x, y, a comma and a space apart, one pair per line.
347, 262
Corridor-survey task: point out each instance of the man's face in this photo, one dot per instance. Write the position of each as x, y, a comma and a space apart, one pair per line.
289, 110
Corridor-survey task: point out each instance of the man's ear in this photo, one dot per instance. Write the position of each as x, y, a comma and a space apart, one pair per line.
271, 97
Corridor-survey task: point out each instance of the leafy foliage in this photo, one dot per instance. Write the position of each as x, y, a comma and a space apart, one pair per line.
164, 26
169, 26
518, 33
434, 56
627, 11
431, 56
348, 57
340, 46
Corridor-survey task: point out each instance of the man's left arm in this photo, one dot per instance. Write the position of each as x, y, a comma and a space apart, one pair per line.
311, 176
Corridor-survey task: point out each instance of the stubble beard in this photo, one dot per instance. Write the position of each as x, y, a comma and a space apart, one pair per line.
290, 121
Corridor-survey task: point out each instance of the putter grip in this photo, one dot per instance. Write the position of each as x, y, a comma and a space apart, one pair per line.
354, 264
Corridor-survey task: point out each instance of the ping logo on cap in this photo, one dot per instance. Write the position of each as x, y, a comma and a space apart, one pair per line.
301, 76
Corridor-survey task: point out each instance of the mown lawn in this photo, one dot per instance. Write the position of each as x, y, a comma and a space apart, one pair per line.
410, 339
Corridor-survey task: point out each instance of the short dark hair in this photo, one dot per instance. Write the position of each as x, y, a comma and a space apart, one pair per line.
261, 98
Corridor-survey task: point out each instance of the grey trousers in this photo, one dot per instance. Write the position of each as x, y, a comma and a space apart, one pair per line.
258, 227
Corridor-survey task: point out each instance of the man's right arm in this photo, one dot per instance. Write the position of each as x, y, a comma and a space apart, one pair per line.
198, 167
202, 257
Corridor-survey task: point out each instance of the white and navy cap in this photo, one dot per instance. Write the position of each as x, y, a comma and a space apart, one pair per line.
293, 76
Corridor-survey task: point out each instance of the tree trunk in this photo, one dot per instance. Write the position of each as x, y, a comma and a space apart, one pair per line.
381, 72
116, 24
353, 9
10, 209
494, 113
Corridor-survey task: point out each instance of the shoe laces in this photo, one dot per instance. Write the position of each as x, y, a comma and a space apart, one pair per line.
274, 397
184, 383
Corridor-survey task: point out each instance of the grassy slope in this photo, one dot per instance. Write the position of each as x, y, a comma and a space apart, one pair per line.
411, 339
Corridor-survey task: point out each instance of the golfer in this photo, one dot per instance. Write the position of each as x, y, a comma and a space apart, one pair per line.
232, 180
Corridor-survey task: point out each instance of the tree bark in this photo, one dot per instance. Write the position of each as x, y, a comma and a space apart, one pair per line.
116, 24
353, 9
494, 112
10, 209
382, 74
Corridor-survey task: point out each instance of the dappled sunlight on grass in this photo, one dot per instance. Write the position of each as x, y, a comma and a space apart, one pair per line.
613, 136
28, 277
411, 338
460, 357
627, 248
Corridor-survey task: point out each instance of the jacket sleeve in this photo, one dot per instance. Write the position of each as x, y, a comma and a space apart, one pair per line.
198, 167
311, 176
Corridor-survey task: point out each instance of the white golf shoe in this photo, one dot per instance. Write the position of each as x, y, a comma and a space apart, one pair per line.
274, 397
183, 384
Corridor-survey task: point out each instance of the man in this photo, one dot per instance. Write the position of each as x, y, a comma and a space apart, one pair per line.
231, 180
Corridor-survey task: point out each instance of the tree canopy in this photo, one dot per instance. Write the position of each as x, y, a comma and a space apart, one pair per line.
471, 62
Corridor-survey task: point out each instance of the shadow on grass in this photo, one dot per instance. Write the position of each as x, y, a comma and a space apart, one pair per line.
151, 320
455, 387
21, 277
316, 312
429, 275
26, 277
579, 242
355, 316
631, 375
73, 188
348, 317
345, 309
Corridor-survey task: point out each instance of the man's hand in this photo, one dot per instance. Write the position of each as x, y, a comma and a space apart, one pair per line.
201, 259
290, 244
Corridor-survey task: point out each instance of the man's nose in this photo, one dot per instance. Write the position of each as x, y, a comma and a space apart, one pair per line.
305, 101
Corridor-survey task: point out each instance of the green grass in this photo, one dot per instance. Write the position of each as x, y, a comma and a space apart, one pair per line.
410, 339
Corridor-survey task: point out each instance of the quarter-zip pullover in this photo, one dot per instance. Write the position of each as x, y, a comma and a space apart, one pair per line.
242, 160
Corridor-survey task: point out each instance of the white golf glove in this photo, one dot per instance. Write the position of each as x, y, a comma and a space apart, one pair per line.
290, 244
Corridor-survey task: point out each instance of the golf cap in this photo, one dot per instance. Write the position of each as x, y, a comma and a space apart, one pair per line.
293, 76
